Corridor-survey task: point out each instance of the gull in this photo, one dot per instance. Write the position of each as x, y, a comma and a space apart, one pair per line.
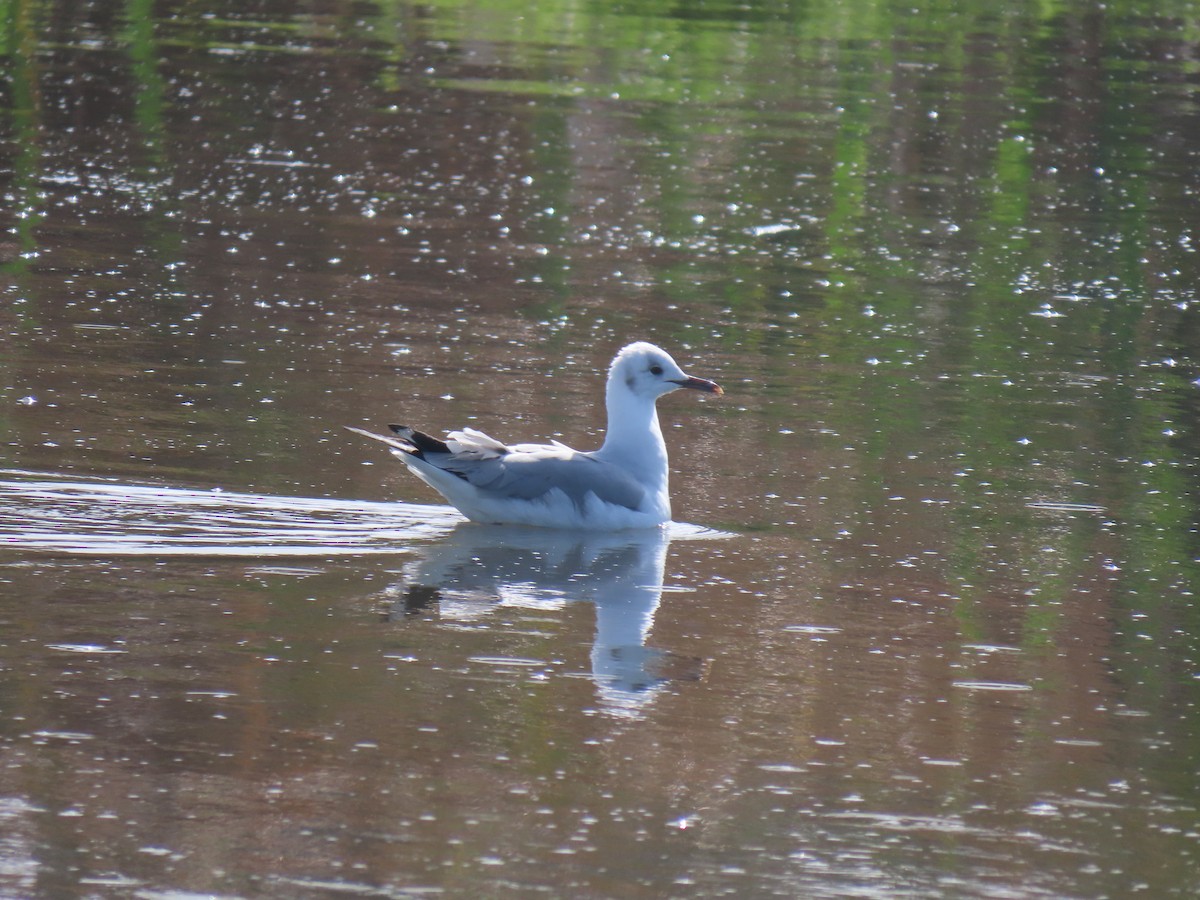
622, 485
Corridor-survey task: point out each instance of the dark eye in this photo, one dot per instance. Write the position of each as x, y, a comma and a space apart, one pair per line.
656, 370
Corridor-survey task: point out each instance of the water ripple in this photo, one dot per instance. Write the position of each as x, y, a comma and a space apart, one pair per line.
49, 513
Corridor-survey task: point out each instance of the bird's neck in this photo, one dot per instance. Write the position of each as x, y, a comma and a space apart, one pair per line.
634, 439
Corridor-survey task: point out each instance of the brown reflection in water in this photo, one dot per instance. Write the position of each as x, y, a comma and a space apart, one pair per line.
902, 661
214, 719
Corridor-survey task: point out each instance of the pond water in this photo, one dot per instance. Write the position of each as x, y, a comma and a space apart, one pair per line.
927, 625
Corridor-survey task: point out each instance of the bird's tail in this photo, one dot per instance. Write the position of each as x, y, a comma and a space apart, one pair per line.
408, 440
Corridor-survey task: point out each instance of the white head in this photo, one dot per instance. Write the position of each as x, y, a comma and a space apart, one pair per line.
648, 372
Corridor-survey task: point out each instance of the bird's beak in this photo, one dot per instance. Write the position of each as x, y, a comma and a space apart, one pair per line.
701, 384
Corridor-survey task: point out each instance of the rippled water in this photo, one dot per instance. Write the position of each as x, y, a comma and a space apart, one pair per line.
934, 630
121, 519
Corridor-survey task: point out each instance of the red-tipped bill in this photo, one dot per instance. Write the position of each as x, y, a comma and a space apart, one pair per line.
701, 384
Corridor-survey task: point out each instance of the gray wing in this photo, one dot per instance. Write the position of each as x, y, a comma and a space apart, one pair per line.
520, 472
527, 474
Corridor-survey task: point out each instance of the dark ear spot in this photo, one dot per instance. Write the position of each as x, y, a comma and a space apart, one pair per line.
629, 382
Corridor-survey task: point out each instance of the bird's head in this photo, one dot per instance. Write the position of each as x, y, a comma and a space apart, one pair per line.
649, 372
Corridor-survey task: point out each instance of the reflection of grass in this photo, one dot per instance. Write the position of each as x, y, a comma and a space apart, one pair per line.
527, 87
144, 54
24, 113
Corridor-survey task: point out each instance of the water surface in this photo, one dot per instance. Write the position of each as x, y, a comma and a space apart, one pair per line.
932, 631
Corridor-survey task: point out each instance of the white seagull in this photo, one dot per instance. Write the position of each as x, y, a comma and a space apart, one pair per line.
621, 485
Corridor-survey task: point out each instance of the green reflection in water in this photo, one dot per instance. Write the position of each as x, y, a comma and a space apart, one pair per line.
24, 123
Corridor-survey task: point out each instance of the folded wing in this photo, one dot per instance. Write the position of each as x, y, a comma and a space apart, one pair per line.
519, 472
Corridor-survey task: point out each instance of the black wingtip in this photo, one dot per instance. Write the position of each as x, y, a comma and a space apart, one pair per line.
423, 442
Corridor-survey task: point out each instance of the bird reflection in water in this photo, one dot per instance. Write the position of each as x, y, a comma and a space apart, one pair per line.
477, 568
